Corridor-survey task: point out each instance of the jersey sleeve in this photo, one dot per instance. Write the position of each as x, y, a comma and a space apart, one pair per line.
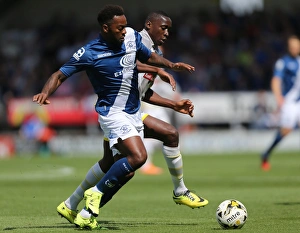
279, 68
78, 62
143, 53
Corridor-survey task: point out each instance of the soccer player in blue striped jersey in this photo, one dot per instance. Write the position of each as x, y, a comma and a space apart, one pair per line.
154, 34
286, 90
110, 64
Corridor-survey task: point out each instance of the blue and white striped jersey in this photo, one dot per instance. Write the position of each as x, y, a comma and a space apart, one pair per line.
293, 95
286, 68
111, 71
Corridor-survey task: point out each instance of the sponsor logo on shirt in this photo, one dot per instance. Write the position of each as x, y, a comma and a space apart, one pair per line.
103, 55
128, 63
128, 60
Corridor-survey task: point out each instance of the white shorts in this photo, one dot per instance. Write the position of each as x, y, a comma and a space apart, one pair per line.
121, 125
290, 115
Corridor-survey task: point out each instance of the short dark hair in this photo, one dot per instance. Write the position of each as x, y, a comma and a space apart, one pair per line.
155, 14
107, 13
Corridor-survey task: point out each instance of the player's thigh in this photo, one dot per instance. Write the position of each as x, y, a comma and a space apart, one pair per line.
131, 146
158, 129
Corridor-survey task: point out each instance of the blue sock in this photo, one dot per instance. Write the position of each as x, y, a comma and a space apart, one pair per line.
266, 154
112, 178
111, 192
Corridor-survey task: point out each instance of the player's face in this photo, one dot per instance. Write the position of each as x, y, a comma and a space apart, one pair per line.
115, 31
159, 30
294, 46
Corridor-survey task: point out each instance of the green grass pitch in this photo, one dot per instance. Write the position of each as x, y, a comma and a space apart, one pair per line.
31, 188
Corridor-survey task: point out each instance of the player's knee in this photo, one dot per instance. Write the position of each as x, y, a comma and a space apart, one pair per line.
172, 137
137, 159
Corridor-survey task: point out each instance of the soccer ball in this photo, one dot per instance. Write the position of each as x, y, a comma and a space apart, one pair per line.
231, 214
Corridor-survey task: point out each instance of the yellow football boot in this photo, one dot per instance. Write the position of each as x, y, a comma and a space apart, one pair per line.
190, 199
66, 213
92, 201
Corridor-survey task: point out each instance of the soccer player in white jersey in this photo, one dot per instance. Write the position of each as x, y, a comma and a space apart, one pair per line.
155, 33
110, 64
285, 86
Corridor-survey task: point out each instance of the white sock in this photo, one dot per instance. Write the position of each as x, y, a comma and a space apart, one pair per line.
85, 214
95, 188
92, 177
175, 164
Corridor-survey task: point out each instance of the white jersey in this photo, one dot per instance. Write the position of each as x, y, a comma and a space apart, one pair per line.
146, 80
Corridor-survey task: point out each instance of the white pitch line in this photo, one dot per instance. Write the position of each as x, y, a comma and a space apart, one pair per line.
48, 173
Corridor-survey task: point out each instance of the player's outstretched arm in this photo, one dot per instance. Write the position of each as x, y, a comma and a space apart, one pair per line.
54, 81
165, 76
184, 106
160, 61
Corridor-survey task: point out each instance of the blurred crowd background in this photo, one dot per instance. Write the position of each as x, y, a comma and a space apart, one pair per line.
231, 52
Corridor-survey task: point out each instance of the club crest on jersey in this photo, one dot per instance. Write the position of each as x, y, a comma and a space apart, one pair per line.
130, 45
79, 53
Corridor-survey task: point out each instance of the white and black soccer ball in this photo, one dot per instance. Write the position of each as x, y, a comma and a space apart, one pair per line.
231, 214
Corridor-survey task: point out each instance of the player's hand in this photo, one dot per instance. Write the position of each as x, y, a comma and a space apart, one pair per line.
185, 106
180, 66
166, 77
41, 99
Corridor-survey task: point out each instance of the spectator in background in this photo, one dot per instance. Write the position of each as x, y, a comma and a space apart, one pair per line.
263, 118
36, 129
